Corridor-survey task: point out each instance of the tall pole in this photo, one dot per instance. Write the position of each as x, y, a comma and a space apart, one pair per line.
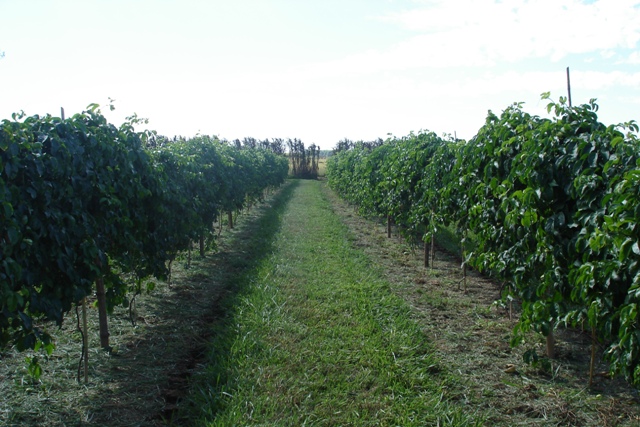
85, 344
569, 86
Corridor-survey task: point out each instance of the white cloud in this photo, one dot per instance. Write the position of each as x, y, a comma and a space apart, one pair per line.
483, 34
459, 59
633, 58
486, 31
594, 80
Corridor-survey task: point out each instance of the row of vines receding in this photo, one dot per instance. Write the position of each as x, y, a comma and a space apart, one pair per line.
552, 206
85, 205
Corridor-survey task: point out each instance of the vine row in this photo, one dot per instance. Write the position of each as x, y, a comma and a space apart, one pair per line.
87, 207
552, 206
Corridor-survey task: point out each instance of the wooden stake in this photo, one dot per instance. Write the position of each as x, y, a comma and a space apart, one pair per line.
85, 350
433, 248
427, 255
569, 86
592, 363
464, 262
551, 345
102, 313
389, 226
103, 321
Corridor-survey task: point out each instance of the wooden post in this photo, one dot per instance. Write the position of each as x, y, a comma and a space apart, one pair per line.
103, 321
464, 261
389, 226
426, 253
85, 350
102, 313
433, 240
433, 249
551, 345
569, 86
592, 364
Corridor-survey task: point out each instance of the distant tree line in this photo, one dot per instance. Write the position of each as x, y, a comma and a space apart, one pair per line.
347, 144
303, 161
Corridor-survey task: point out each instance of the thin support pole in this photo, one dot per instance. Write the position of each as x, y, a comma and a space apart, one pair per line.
569, 86
592, 362
427, 255
85, 350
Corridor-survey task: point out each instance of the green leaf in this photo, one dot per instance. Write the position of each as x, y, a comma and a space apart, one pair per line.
529, 218
14, 235
33, 368
625, 249
150, 285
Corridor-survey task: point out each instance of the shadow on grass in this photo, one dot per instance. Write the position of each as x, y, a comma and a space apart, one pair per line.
183, 330
234, 269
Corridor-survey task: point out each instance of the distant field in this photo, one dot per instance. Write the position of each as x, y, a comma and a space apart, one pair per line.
322, 167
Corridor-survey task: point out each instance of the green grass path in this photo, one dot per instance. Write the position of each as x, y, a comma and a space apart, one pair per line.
317, 338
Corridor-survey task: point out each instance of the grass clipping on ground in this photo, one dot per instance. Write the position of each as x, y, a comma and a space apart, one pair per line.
143, 380
308, 315
318, 338
470, 334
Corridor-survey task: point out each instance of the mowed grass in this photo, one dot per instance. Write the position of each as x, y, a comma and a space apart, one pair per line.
317, 337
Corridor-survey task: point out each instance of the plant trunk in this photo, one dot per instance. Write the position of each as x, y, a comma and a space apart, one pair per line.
170, 270
427, 255
592, 363
464, 276
388, 226
202, 245
102, 313
464, 262
433, 251
85, 344
230, 218
551, 345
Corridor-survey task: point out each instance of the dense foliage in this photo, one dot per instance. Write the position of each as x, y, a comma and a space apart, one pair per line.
551, 203
84, 200
304, 161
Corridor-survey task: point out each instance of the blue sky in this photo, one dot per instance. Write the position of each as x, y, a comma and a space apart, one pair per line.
317, 70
